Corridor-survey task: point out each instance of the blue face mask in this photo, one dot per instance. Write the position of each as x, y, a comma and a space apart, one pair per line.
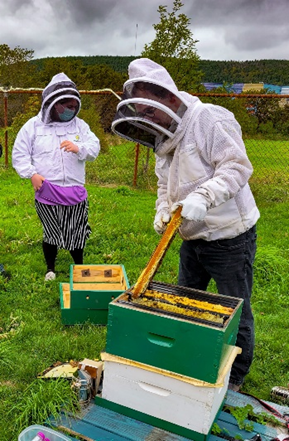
67, 114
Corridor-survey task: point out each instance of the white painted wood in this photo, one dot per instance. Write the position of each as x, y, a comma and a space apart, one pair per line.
188, 405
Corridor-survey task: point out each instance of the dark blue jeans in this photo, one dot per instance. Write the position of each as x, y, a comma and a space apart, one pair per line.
230, 263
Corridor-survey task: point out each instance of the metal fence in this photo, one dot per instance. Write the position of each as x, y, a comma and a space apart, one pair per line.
127, 164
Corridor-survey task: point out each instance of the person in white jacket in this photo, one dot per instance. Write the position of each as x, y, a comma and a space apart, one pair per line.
51, 150
202, 165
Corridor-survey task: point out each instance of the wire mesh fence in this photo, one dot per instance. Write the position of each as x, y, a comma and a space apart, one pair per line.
264, 120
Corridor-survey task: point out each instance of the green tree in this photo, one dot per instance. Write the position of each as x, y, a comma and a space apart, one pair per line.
174, 47
102, 76
15, 69
28, 109
73, 68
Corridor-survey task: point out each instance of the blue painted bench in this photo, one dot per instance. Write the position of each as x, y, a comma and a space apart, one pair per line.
99, 424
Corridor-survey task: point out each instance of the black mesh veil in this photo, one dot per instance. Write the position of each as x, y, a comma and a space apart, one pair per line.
145, 121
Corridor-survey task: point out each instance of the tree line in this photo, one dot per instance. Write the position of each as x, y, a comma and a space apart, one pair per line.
258, 71
100, 71
225, 72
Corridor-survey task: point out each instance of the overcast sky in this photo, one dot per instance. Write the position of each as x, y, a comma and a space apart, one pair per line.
226, 29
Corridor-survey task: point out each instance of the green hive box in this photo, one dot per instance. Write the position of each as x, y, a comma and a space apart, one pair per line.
87, 295
185, 345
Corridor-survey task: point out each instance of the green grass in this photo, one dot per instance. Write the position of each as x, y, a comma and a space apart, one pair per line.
32, 336
270, 160
118, 166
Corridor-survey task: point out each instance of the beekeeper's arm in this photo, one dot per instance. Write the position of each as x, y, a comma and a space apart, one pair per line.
89, 146
163, 215
224, 148
22, 155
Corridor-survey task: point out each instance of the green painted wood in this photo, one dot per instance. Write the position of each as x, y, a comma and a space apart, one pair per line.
96, 431
94, 299
228, 425
99, 423
88, 305
61, 296
153, 421
234, 399
86, 299
80, 316
184, 347
102, 424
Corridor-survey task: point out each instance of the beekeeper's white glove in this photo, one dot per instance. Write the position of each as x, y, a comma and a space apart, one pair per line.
161, 221
194, 207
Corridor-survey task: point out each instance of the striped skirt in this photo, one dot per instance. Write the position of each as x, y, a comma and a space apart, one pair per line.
64, 226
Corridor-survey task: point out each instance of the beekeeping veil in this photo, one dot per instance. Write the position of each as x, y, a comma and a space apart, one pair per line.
143, 115
60, 87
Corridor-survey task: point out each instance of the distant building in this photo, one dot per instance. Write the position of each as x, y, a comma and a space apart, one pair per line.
249, 87
253, 87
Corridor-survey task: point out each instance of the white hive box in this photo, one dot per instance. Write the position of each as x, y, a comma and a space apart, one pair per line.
183, 402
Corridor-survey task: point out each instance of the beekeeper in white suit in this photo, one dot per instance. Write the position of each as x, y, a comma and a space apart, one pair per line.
202, 165
51, 150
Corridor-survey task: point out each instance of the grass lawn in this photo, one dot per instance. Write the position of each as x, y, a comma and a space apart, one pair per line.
32, 336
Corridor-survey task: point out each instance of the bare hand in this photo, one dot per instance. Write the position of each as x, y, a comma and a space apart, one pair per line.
68, 146
37, 181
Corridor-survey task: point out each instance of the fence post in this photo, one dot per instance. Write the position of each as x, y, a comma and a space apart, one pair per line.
135, 164
6, 130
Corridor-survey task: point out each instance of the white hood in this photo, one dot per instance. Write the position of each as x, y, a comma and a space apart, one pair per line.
59, 88
144, 69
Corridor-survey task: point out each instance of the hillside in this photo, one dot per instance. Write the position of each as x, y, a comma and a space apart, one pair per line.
118, 64
266, 71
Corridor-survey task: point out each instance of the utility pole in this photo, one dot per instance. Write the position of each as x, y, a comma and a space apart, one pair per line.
136, 30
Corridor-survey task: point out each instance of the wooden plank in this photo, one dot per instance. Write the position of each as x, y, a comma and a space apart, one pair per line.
97, 273
95, 267
66, 295
109, 286
235, 399
103, 424
228, 425
161, 424
87, 429
157, 256
66, 300
97, 278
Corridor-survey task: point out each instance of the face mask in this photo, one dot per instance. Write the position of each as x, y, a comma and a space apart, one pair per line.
66, 115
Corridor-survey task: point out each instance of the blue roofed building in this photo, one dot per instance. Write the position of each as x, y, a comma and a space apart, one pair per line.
211, 86
272, 88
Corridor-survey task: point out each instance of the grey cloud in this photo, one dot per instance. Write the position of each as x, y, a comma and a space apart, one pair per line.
226, 12
88, 11
248, 29
265, 37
